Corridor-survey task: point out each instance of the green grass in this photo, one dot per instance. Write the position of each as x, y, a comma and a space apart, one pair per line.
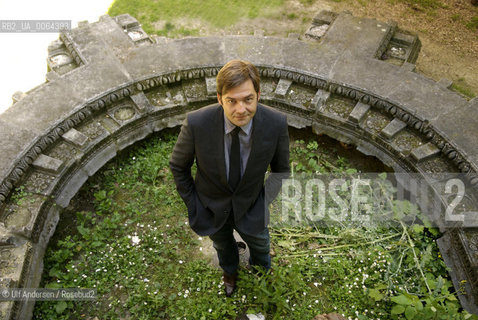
217, 13
473, 23
426, 6
456, 17
135, 246
307, 2
462, 87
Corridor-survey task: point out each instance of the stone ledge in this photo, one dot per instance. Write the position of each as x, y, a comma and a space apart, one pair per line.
106, 89
48, 164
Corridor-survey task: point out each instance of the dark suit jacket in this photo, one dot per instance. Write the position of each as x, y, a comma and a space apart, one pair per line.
208, 197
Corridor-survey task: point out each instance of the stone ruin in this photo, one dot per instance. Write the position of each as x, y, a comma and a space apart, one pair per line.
110, 85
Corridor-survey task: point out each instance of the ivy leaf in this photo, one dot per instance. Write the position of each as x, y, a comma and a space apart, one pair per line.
410, 312
398, 309
312, 163
61, 306
451, 297
375, 294
85, 232
433, 231
418, 305
418, 229
402, 300
96, 244
432, 283
54, 273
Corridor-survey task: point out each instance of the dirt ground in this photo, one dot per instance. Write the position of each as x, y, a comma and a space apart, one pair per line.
449, 47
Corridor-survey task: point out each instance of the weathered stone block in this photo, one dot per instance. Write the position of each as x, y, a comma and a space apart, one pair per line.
375, 122
339, 107
48, 164
195, 90
424, 152
93, 130
404, 38
126, 21
166, 96
394, 127
211, 86
109, 124
301, 97
20, 217
405, 141
76, 137
364, 37
324, 17
12, 258
282, 87
320, 99
64, 151
141, 101
316, 32
359, 112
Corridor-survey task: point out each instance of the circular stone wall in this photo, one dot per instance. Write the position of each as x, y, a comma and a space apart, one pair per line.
110, 85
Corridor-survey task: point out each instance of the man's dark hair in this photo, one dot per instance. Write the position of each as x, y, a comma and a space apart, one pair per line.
236, 72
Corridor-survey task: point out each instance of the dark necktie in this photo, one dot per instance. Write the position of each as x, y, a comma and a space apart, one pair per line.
235, 159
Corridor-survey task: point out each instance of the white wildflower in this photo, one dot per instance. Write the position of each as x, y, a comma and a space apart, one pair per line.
135, 240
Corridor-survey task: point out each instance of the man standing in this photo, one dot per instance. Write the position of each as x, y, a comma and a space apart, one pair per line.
233, 143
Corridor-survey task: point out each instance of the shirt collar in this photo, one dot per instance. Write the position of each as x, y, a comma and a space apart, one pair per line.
229, 126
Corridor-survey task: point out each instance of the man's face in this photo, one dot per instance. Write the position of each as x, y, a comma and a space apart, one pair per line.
240, 103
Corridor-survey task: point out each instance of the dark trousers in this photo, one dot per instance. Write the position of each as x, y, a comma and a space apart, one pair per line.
228, 252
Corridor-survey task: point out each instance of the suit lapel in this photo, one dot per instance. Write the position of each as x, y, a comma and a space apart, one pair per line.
218, 128
257, 131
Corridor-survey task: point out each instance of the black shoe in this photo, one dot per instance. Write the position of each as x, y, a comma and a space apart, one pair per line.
229, 283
